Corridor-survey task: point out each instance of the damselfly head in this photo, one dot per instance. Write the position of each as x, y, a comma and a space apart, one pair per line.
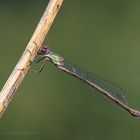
43, 50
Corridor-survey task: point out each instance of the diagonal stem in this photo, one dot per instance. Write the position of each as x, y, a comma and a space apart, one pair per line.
28, 55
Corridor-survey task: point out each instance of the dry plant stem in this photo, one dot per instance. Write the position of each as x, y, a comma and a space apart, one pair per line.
28, 55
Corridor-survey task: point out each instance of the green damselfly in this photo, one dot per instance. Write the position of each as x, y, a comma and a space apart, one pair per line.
114, 93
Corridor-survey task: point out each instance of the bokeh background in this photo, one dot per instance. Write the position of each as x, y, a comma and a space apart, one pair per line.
103, 37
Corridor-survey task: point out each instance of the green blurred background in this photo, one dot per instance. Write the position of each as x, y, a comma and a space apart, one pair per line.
100, 36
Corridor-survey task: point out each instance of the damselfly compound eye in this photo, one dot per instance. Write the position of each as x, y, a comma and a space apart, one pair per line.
45, 48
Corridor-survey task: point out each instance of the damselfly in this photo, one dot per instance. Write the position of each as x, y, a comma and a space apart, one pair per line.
107, 89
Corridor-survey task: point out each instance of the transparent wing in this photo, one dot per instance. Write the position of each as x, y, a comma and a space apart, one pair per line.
96, 82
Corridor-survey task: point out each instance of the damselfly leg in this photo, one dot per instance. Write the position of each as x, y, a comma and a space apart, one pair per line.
42, 66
